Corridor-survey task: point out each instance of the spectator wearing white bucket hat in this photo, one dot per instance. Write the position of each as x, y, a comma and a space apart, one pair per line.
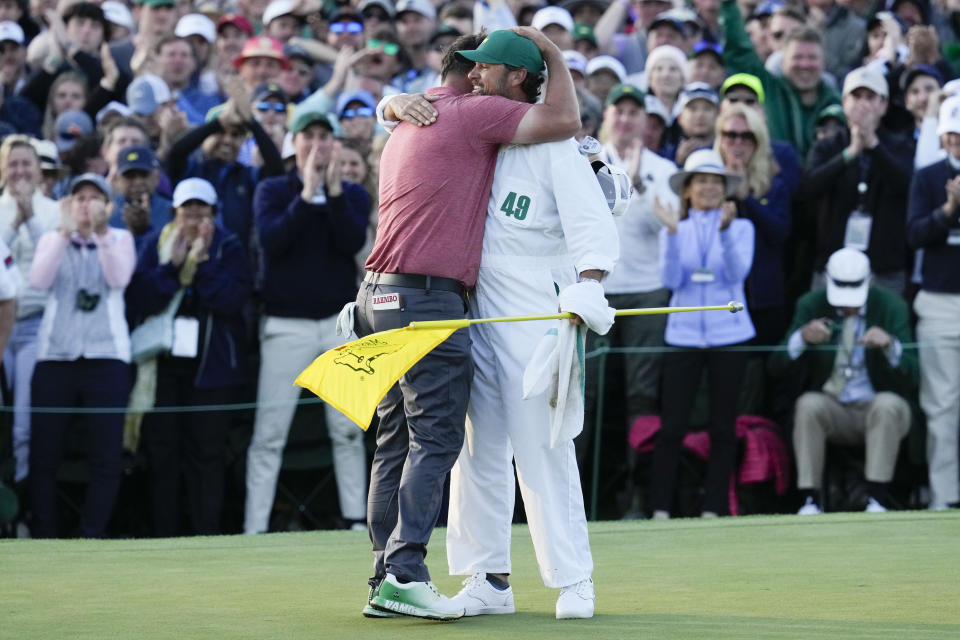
706, 253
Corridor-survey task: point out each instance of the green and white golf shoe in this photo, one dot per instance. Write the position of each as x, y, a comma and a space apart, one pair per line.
418, 599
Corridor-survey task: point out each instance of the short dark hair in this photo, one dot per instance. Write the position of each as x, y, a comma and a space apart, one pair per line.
90, 10
452, 63
804, 34
167, 39
125, 121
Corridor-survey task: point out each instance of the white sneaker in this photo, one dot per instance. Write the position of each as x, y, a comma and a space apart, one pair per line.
478, 597
810, 508
576, 600
875, 507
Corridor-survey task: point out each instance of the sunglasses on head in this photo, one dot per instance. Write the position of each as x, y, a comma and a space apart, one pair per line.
346, 27
265, 105
389, 48
359, 112
744, 136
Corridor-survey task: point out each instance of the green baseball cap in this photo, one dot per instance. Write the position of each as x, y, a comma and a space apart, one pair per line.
624, 90
157, 3
744, 80
583, 31
832, 111
506, 47
303, 119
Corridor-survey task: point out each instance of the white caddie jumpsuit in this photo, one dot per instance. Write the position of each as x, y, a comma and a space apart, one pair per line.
547, 221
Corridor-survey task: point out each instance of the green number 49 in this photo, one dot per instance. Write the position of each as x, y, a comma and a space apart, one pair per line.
522, 206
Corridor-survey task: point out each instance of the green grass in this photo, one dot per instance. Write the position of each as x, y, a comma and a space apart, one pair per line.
895, 575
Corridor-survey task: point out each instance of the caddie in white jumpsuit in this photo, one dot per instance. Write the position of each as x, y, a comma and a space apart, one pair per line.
547, 221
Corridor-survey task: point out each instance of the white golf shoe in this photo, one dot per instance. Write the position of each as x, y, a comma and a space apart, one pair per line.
810, 508
576, 600
478, 597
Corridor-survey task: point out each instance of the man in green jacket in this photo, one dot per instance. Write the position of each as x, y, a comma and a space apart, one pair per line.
793, 100
849, 342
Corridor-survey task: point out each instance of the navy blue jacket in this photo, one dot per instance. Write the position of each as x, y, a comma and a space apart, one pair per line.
928, 228
308, 249
220, 289
772, 217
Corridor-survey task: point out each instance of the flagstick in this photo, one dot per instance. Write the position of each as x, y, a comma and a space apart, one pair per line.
732, 307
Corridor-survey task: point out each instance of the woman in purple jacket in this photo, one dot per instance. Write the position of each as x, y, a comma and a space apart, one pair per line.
705, 256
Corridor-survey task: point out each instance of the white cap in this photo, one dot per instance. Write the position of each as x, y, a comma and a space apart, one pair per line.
575, 61
194, 189
616, 186
47, 151
653, 107
276, 9
552, 15
951, 87
609, 63
867, 78
11, 31
949, 116
423, 7
117, 13
848, 278
196, 24
113, 106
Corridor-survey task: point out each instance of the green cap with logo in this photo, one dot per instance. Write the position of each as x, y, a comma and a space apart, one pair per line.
506, 47
626, 91
744, 80
834, 111
583, 31
303, 119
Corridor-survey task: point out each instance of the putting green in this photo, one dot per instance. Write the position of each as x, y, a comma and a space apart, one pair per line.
893, 575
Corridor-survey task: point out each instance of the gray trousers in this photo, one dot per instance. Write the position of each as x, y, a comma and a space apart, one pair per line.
421, 430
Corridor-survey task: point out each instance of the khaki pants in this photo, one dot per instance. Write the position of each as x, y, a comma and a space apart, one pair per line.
819, 417
938, 333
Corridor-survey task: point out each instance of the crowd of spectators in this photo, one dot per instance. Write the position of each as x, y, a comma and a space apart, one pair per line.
214, 165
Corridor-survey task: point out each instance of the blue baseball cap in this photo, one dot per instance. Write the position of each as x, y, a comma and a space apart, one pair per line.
69, 126
95, 179
362, 95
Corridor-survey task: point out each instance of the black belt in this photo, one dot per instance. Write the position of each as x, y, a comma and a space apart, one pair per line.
416, 281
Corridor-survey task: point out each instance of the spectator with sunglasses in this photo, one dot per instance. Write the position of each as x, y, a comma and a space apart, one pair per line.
300, 79
764, 198
357, 112
83, 353
269, 108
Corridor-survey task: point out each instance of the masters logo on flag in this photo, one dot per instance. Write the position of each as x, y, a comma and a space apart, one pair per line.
354, 378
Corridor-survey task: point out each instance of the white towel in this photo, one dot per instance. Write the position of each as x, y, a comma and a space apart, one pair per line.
586, 299
557, 368
345, 326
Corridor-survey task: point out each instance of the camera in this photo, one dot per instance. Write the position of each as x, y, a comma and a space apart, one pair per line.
87, 301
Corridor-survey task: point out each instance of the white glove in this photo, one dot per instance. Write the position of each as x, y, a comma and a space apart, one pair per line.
586, 299
345, 322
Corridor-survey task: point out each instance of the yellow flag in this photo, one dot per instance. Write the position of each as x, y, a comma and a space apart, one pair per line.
354, 378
